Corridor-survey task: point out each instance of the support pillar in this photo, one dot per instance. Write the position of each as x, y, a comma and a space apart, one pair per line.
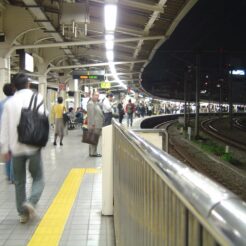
76, 94
76, 100
185, 101
4, 74
63, 94
197, 95
42, 87
230, 99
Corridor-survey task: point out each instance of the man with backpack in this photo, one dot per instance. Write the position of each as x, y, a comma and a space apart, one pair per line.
22, 153
130, 109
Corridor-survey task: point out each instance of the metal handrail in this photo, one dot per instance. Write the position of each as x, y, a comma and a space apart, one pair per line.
221, 212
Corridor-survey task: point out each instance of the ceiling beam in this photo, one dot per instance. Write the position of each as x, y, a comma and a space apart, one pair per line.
79, 43
110, 74
103, 64
148, 26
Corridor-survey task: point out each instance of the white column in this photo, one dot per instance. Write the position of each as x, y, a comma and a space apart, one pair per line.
42, 87
51, 100
63, 94
76, 94
76, 100
4, 74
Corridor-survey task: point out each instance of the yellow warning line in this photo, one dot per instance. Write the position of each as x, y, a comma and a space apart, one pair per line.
50, 229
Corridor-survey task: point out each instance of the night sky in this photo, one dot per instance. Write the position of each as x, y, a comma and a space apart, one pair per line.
217, 30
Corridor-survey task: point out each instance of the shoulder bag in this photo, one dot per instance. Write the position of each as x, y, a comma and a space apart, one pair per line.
33, 128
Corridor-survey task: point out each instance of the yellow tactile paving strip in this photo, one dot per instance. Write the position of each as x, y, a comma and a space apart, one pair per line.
50, 229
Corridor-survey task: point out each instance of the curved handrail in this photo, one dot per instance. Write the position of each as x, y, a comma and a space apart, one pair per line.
218, 209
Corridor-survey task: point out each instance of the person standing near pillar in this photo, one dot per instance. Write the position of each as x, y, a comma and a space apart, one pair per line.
107, 109
58, 110
95, 121
120, 111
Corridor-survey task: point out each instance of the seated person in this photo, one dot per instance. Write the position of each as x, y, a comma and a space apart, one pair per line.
79, 116
71, 122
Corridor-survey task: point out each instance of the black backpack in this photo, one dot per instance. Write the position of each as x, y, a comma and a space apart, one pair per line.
33, 128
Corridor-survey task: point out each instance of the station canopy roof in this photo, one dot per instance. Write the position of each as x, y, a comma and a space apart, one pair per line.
141, 28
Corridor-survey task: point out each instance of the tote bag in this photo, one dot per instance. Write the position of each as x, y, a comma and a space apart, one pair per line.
90, 137
33, 128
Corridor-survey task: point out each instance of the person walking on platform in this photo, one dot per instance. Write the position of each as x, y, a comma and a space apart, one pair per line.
21, 153
8, 91
107, 109
95, 121
58, 110
130, 109
120, 111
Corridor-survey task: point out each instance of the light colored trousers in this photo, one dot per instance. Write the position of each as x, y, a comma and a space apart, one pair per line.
36, 171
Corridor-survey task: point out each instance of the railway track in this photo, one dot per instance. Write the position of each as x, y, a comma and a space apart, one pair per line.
209, 128
231, 177
239, 123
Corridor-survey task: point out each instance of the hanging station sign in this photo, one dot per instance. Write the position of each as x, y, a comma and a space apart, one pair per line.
105, 85
80, 74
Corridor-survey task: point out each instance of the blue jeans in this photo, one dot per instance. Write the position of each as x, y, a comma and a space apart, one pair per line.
36, 170
9, 170
129, 119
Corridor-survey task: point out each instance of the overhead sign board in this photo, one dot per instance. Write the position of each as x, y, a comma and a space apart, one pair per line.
81, 74
105, 85
97, 77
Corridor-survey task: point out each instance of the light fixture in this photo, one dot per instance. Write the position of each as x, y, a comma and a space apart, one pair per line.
110, 16
110, 55
109, 44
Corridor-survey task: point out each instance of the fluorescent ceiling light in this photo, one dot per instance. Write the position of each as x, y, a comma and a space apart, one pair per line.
110, 55
110, 16
109, 45
109, 41
109, 37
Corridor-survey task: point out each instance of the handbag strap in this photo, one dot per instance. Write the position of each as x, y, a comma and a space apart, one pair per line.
35, 102
35, 107
40, 104
30, 104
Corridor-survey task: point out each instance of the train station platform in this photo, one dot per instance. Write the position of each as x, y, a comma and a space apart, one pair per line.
69, 211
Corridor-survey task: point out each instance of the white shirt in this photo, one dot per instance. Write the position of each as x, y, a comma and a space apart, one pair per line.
10, 120
106, 106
